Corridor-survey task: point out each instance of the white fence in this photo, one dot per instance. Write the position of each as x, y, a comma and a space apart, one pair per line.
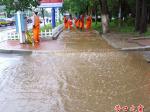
46, 34
3, 37
13, 36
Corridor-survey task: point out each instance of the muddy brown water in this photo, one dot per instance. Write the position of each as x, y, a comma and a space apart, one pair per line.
88, 76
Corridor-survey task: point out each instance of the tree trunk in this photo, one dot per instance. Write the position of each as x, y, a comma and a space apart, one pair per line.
138, 15
96, 14
119, 16
104, 15
120, 12
105, 24
148, 15
143, 25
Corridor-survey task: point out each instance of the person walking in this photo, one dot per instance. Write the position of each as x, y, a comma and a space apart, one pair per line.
36, 27
81, 22
70, 22
88, 22
65, 22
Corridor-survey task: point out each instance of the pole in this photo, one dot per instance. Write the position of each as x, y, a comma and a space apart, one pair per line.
21, 35
53, 18
59, 20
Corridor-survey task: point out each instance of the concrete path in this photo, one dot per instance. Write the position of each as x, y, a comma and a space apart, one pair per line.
127, 42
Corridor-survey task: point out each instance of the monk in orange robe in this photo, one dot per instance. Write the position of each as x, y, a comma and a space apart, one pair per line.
82, 22
36, 27
65, 22
88, 22
70, 23
77, 23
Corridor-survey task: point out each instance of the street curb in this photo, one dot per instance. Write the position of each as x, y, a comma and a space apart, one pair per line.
11, 51
145, 48
109, 42
27, 52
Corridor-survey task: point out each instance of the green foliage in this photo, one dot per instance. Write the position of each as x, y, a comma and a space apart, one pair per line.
21, 5
130, 21
46, 27
78, 6
97, 26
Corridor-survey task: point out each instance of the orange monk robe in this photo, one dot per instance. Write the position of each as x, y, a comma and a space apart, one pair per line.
82, 20
65, 23
36, 29
88, 22
70, 24
77, 23
81, 24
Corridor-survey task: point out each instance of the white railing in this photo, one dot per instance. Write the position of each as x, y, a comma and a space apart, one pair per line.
46, 34
13, 36
3, 37
57, 30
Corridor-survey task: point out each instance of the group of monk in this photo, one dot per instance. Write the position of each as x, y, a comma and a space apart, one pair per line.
78, 22
68, 23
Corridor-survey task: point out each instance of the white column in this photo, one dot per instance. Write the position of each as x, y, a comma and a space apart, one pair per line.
22, 37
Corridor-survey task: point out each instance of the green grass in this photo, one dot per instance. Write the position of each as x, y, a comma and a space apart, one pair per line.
46, 27
49, 26
97, 26
126, 27
147, 33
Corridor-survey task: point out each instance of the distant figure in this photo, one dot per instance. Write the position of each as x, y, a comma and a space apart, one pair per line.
65, 22
82, 19
88, 22
70, 22
82, 22
36, 27
77, 22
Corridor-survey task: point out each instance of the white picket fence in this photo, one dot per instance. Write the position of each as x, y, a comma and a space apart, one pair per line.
3, 37
46, 34
15, 36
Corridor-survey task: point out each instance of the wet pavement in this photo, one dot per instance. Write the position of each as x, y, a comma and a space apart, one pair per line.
142, 42
84, 75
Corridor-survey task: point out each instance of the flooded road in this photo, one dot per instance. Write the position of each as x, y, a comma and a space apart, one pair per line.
87, 76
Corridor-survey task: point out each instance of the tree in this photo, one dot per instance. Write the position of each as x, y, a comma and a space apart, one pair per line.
77, 6
20, 5
141, 16
104, 15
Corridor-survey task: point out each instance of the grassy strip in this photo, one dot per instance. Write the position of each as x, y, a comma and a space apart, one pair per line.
48, 27
126, 27
97, 26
